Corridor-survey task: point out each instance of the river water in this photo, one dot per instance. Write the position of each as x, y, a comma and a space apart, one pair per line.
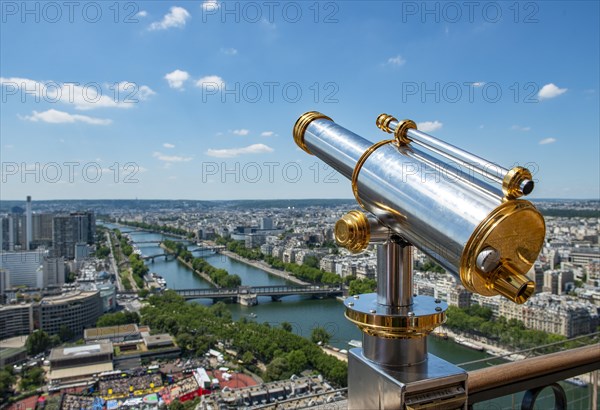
304, 314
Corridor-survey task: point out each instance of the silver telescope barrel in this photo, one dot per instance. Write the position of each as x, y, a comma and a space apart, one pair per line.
490, 241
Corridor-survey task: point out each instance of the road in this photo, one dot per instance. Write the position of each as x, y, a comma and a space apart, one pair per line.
113, 263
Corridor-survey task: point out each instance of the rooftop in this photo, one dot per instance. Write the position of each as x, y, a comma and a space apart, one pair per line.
80, 351
111, 331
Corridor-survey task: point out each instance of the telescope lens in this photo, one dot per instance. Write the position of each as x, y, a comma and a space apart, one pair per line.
527, 186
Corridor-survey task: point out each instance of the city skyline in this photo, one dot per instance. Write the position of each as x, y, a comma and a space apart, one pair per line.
196, 100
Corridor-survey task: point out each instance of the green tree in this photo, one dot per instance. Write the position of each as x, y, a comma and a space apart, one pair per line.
31, 378
37, 342
277, 369
286, 326
297, 361
360, 286
220, 309
176, 405
319, 334
311, 261
118, 318
7, 379
248, 357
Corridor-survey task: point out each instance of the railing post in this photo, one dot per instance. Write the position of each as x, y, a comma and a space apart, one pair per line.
594, 380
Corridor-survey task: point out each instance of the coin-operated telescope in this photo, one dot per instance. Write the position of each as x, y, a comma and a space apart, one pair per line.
458, 208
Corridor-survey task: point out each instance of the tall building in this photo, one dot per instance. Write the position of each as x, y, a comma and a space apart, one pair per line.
4, 234
70, 230
41, 230
4, 283
28, 225
54, 271
266, 223
24, 267
13, 232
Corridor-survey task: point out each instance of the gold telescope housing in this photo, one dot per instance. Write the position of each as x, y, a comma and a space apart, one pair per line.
480, 232
352, 231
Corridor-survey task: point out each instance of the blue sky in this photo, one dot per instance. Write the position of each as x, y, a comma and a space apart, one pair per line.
197, 99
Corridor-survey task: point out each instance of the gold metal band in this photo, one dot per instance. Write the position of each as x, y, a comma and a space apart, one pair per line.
512, 181
383, 122
395, 326
402, 129
301, 125
363, 158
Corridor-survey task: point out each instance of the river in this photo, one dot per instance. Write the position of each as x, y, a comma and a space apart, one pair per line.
304, 313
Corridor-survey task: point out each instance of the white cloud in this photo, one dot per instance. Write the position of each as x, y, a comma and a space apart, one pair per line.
212, 81
87, 97
234, 152
429, 126
142, 13
229, 51
167, 145
396, 61
241, 132
60, 117
268, 134
550, 91
177, 78
520, 128
210, 5
478, 84
170, 158
547, 141
176, 17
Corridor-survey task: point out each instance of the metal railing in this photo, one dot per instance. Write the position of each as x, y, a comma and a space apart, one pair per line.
533, 375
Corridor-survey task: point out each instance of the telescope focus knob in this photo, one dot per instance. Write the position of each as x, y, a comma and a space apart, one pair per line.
352, 231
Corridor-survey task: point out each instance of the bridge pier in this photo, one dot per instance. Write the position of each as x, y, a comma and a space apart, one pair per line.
276, 298
249, 299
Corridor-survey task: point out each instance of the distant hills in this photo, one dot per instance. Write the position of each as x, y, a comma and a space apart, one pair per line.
549, 207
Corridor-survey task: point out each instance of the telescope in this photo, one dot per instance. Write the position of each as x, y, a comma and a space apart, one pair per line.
463, 211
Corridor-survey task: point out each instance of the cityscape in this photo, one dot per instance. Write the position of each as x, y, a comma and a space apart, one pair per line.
326, 205
82, 274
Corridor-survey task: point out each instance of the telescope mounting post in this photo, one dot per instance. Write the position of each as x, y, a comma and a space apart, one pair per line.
393, 370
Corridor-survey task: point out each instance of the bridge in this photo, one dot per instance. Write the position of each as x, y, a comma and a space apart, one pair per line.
166, 255
247, 295
158, 255
135, 230
161, 240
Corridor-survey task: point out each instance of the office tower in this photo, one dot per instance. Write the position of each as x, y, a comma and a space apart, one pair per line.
28, 224
69, 230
